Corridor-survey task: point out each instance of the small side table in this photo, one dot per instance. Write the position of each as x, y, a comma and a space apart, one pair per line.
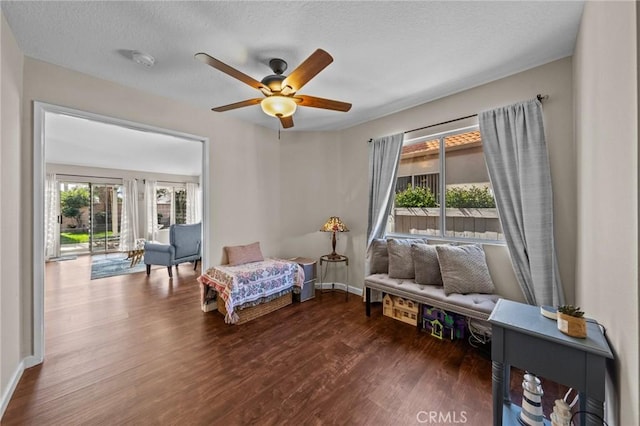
326, 261
523, 338
136, 254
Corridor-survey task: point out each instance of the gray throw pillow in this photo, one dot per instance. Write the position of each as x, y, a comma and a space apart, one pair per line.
464, 269
425, 262
400, 260
379, 257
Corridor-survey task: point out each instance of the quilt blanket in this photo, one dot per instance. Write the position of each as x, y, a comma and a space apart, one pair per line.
241, 285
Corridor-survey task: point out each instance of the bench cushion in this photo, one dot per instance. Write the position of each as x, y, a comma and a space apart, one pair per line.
472, 305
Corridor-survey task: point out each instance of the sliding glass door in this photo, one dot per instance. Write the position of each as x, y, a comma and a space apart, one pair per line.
74, 217
106, 215
90, 217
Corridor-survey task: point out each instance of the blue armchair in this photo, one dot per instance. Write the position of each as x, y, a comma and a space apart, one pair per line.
184, 246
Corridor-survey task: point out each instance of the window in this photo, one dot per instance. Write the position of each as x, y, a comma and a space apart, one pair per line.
172, 205
443, 188
403, 183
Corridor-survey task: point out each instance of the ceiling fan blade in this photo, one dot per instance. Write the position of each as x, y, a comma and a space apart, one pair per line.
312, 101
287, 122
221, 66
241, 104
311, 66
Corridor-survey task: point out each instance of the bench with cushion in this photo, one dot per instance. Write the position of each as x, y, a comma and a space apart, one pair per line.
453, 278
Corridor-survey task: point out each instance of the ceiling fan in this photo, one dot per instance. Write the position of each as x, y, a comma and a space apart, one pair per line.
280, 91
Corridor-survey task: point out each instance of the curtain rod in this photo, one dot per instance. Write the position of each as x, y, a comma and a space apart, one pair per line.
144, 181
87, 176
439, 124
538, 96
80, 177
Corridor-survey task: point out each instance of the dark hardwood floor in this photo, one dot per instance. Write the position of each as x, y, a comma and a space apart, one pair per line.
134, 349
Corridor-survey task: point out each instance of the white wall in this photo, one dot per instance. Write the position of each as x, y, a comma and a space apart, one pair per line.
11, 60
310, 180
606, 110
244, 160
349, 149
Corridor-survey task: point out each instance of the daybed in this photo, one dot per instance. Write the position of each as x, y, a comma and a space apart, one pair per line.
453, 278
250, 284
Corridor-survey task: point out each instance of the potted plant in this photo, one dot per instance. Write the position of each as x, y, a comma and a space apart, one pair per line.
571, 321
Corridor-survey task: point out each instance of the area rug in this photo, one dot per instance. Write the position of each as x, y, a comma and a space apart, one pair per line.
112, 264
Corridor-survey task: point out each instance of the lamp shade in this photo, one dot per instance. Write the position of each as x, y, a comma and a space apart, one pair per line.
278, 106
334, 224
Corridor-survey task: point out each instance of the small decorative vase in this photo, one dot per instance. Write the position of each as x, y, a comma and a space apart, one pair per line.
572, 326
531, 414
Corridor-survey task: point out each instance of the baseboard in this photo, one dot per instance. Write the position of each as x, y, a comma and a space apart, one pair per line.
339, 286
28, 362
11, 387
32, 361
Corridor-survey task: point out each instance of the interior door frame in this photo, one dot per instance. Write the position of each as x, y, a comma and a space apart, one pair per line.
39, 171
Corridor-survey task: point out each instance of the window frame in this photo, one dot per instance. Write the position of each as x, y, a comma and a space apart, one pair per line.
172, 187
442, 184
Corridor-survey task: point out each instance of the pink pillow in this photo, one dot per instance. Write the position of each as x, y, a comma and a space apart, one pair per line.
237, 255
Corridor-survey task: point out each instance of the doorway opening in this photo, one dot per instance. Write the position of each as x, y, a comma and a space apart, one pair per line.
104, 214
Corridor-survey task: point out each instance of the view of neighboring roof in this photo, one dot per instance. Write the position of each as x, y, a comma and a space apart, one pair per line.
431, 146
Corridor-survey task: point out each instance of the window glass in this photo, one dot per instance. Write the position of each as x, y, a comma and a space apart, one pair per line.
163, 201
416, 209
172, 205
447, 190
180, 199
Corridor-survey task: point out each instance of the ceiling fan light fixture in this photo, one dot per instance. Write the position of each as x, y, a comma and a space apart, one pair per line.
278, 106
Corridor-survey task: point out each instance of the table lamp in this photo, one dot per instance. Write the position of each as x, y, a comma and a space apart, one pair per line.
333, 225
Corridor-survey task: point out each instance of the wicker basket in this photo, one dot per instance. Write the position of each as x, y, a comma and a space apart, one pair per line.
253, 312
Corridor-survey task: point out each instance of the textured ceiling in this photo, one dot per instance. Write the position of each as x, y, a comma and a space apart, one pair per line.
388, 56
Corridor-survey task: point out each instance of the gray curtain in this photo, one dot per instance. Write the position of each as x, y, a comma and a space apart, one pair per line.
518, 164
384, 157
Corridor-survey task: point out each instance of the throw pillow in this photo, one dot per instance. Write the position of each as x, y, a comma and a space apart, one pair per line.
379, 257
238, 255
464, 269
400, 260
425, 262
